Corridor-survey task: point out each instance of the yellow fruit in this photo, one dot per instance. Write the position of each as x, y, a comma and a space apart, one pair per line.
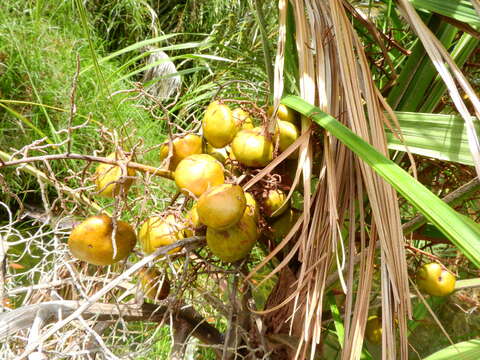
274, 204
197, 173
221, 206
108, 179
281, 227
252, 207
181, 148
252, 148
157, 232
234, 243
220, 154
288, 133
91, 240
242, 119
434, 280
284, 113
153, 284
218, 125
373, 330
192, 221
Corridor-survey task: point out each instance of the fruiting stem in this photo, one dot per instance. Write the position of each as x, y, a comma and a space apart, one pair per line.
133, 165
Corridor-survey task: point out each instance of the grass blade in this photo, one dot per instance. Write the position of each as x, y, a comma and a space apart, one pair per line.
464, 234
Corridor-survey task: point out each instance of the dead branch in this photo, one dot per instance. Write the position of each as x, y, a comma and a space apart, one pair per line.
53, 311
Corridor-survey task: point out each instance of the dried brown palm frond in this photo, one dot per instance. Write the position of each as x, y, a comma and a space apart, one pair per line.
335, 76
451, 75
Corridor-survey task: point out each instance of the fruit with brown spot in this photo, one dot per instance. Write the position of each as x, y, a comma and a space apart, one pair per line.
91, 240
434, 280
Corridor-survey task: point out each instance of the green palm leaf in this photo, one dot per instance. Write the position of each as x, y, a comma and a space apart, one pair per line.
464, 234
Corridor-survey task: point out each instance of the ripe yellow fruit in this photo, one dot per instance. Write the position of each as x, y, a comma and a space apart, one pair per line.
284, 113
220, 154
153, 284
281, 227
157, 232
242, 119
192, 221
108, 179
373, 330
434, 280
288, 133
252, 148
218, 125
252, 207
197, 173
91, 240
221, 206
234, 243
274, 204
182, 147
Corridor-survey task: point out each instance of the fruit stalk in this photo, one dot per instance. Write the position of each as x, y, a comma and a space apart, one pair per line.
133, 165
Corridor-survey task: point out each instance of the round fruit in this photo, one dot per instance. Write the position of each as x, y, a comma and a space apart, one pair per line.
281, 227
373, 330
108, 179
220, 154
284, 113
192, 221
221, 206
434, 280
197, 173
218, 125
252, 207
157, 232
252, 148
234, 243
275, 203
242, 119
91, 240
181, 148
153, 285
288, 135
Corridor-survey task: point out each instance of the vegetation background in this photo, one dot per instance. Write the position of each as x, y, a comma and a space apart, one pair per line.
101, 48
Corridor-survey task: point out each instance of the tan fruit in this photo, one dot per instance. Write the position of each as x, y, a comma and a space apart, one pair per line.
282, 226
108, 179
373, 330
434, 280
221, 206
218, 125
236, 242
284, 113
182, 147
242, 119
252, 148
288, 133
153, 284
157, 232
252, 207
91, 240
274, 204
197, 173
